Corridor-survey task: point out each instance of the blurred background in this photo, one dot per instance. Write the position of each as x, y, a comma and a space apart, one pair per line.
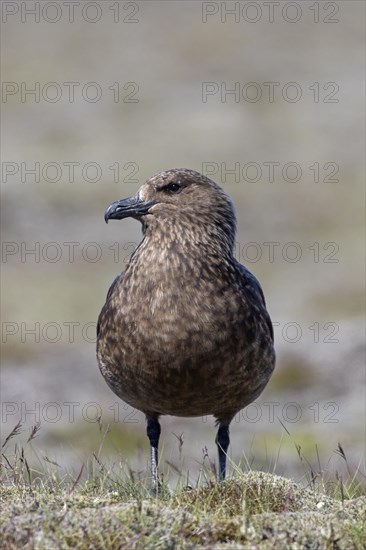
267, 100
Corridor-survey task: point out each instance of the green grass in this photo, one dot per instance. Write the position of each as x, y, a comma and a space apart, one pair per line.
110, 506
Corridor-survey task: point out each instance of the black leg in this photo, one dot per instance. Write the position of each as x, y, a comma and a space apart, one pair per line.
222, 442
153, 433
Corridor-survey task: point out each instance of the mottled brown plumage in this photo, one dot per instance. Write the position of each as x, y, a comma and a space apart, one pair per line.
184, 330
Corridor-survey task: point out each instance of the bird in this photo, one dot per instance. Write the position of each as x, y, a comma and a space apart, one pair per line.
184, 330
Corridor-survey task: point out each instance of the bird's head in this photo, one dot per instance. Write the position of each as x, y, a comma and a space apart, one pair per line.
180, 199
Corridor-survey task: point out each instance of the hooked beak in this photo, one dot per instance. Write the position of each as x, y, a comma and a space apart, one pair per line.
132, 207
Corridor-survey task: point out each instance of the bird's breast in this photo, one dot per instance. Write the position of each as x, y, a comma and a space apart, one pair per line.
163, 334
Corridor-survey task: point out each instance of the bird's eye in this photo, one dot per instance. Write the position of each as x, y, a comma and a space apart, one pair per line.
174, 187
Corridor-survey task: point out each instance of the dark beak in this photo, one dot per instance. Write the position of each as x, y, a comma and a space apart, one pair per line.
133, 207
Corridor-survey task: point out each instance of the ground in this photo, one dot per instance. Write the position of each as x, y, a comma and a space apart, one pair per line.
104, 507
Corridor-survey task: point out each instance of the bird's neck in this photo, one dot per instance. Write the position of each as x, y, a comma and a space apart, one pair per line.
195, 241
190, 233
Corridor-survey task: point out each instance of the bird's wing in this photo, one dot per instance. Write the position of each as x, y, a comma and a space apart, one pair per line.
255, 292
252, 285
109, 293
111, 288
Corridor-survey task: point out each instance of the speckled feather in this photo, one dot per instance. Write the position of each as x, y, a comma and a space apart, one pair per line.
184, 330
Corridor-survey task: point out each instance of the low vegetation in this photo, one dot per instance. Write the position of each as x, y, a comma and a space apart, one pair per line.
106, 506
